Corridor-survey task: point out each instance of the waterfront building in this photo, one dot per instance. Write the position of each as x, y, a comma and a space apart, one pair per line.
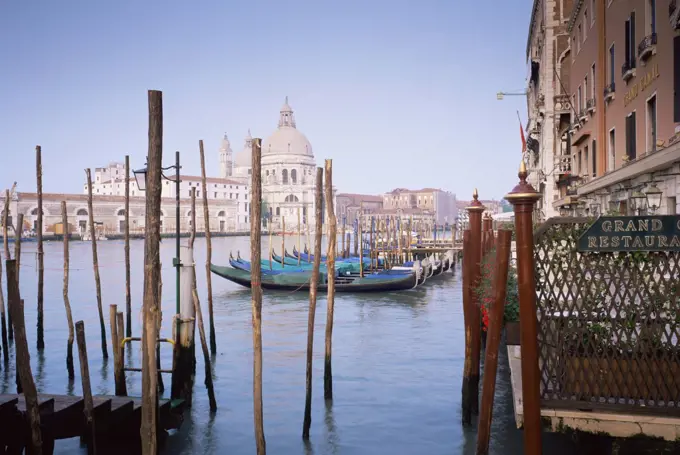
547, 98
222, 192
109, 213
440, 204
288, 171
348, 206
625, 90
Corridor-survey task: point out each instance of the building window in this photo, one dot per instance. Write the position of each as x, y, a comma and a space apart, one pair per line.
612, 149
293, 176
215, 195
593, 152
592, 12
585, 161
612, 62
651, 17
631, 136
630, 41
580, 163
585, 24
580, 100
284, 176
651, 124
579, 35
592, 80
585, 87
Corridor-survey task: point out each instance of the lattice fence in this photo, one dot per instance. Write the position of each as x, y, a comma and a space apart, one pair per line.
608, 323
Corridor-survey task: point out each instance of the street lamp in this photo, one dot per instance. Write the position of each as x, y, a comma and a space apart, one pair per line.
653, 196
639, 200
140, 178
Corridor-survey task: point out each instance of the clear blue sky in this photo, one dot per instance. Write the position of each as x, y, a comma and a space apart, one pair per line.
398, 93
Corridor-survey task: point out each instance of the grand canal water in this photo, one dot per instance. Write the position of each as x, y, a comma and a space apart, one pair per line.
397, 360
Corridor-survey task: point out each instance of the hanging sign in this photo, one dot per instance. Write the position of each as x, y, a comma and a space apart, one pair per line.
632, 233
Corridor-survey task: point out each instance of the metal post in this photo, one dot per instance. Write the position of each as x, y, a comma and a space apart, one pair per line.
523, 197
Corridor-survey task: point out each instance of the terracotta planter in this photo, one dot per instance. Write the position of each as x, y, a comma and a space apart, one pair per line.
512, 333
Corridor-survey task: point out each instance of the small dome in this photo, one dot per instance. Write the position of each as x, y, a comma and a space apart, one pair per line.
287, 139
244, 158
225, 143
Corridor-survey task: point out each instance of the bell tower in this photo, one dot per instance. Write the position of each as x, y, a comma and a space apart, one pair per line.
226, 158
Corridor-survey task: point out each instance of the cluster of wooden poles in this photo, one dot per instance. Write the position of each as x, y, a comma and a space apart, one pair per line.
479, 240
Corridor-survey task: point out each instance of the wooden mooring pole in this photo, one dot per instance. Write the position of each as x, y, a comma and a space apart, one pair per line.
466, 397
3, 315
17, 244
184, 367
523, 197
23, 358
500, 281
118, 365
475, 211
41, 251
67, 304
90, 431
208, 259
95, 263
256, 291
152, 276
318, 234
128, 297
330, 263
8, 256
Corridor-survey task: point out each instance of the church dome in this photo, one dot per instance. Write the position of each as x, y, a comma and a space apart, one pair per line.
287, 139
245, 157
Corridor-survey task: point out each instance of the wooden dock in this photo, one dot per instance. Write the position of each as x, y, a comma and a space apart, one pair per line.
118, 420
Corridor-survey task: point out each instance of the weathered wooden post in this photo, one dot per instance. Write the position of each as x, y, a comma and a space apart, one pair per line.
342, 238
8, 256
23, 358
185, 353
95, 262
117, 361
128, 297
3, 315
475, 211
523, 197
299, 236
67, 304
307, 421
90, 431
330, 265
283, 240
208, 259
500, 280
17, 243
41, 251
256, 291
120, 373
466, 397
152, 276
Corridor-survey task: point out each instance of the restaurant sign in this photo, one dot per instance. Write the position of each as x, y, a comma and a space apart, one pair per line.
632, 233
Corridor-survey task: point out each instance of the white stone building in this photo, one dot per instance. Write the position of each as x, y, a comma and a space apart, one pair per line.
441, 204
548, 40
288, 171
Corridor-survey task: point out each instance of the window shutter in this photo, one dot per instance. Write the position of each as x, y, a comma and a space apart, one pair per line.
676, 79
594, 152
632, 39
633, 136
628, 155
627, 35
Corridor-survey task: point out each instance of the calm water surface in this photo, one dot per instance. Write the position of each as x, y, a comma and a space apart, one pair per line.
397, 360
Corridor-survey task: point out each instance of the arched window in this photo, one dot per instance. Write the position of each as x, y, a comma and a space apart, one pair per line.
81, 212
35, 211
221, 213
278, 211
292, 198
293, 176
121, 212
284, 176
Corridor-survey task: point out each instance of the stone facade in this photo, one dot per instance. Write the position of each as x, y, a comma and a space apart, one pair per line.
441, 204
109, 213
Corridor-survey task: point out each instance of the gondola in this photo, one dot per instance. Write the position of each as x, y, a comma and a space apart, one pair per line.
383, 281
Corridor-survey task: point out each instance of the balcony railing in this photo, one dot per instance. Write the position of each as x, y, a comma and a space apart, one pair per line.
590, 105
627, 70
609, 91
647, 46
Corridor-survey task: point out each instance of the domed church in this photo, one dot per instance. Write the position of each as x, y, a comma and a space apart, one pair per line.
288, 171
